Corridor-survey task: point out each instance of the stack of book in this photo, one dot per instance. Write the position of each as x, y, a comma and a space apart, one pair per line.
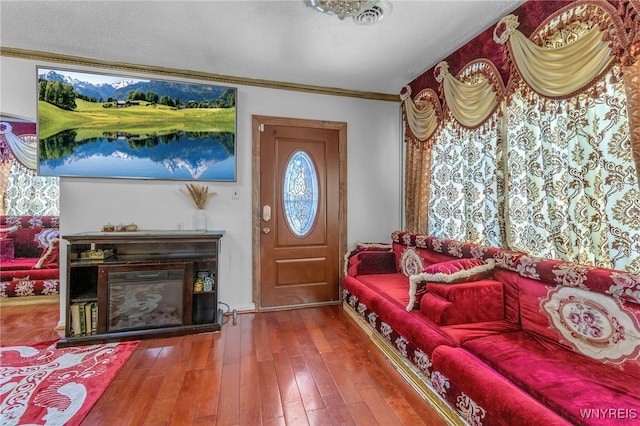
84, 318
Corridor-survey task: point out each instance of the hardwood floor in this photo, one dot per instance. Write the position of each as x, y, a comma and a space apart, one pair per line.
297, 367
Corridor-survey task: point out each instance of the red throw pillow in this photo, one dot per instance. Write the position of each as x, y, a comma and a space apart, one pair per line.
410, 261
450, 272
48, 239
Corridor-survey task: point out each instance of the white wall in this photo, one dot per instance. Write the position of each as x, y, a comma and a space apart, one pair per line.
374, 175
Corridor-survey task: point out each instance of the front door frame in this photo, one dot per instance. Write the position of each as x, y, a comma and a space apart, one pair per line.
258, 122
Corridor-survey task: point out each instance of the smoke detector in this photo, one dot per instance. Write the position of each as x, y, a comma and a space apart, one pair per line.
373, 14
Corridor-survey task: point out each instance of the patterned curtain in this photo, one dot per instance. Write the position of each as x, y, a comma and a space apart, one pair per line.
24, 193
572, 184
417, 179
467, 184
28, 194
422, 116
631, 76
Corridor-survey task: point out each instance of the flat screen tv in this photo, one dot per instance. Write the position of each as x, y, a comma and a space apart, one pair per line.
114, 126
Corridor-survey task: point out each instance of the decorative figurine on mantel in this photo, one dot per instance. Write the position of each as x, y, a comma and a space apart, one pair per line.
200, 196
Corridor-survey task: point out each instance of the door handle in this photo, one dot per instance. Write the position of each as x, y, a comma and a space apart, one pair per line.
266, 213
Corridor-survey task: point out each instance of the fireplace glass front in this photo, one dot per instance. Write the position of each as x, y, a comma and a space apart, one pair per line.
145, 299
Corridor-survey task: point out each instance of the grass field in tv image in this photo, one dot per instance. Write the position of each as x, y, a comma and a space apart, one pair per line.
101, 125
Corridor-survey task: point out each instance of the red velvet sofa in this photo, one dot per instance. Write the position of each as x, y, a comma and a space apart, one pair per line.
29, 252
524, 341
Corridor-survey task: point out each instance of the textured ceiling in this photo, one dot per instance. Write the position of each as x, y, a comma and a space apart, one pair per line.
282, 41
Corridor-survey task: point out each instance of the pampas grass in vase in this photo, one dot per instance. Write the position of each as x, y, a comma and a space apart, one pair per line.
200, 196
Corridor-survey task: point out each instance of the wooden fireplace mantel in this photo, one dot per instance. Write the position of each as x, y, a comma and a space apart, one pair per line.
141, 284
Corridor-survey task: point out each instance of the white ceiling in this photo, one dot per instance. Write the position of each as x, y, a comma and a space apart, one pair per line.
282, 41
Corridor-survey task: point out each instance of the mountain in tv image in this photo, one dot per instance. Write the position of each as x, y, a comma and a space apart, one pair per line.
121, 88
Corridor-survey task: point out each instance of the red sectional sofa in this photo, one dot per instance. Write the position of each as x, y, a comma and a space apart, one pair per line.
525, 341
29, 249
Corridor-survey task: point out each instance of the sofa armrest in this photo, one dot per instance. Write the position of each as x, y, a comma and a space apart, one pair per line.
372, 262
476, 301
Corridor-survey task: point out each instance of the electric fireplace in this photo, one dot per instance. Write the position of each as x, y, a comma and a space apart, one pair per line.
148, 286
144, 298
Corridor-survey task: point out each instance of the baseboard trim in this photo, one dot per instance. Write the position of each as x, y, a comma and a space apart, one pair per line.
407, 371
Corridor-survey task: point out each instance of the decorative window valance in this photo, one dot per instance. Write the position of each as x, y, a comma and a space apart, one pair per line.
568, 52
474, 94
24, 152
422, 113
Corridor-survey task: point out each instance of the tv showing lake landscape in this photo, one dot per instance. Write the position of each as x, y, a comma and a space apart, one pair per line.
113, 126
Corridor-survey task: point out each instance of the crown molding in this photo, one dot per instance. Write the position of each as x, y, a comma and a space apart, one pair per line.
190, 74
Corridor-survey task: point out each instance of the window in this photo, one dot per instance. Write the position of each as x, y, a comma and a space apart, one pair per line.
300, 192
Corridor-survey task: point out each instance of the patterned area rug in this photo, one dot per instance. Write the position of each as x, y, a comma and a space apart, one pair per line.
40, 384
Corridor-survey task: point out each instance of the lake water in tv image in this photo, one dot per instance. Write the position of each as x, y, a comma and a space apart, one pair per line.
178, 155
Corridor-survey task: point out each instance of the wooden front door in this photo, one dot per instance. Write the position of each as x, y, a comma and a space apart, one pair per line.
300, 219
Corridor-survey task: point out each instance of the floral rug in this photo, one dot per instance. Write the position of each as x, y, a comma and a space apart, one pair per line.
42, 385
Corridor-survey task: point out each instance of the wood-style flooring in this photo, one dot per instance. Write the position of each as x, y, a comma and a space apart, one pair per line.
310, 366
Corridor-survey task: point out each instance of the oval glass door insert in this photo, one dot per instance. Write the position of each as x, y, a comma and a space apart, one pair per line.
300, 192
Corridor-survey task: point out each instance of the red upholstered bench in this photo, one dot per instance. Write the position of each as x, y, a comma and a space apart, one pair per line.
538, 341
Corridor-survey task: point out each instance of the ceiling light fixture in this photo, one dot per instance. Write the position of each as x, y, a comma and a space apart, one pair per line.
340, 8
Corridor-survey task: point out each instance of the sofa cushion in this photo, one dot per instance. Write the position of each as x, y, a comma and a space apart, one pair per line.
418, 329
476, 301
482, 396
459, 270
28, 273
18, 264
593, 324
410, 262
532, 317
392, 286
45, 235
26, 230
428, 257
450, 272
6, 249
622, 285
371, 262
511, 303
24, 242
49, 258
460, 333
567, 383
48, 239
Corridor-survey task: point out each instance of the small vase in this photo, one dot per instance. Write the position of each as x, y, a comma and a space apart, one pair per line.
200, 220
